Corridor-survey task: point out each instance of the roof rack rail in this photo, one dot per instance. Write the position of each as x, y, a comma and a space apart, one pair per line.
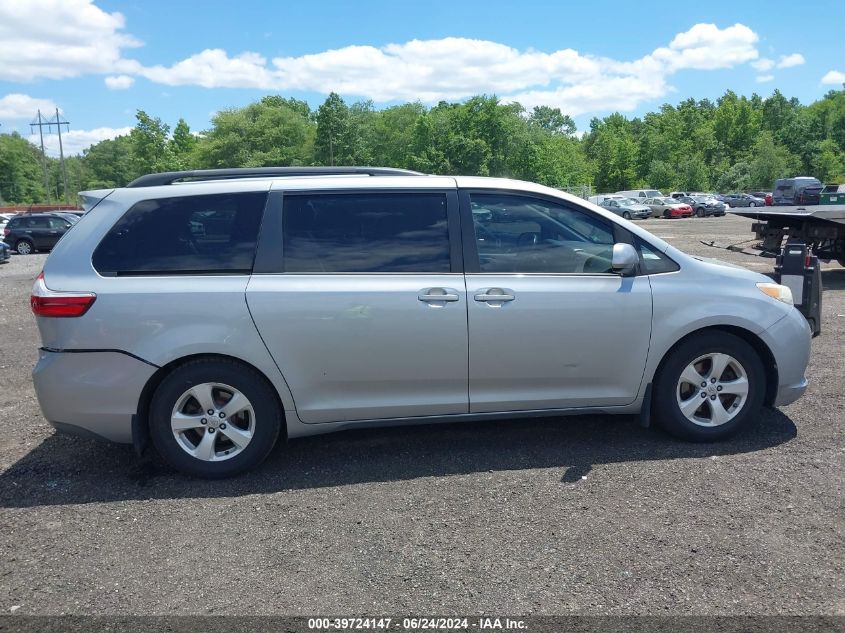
169, 177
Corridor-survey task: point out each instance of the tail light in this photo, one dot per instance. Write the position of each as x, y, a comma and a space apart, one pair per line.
51, 303
6, 232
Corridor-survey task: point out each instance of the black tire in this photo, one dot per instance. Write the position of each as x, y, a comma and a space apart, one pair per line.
28, 246
268, 417
666, 410
626, 215
752, 204
667, 215
699, 212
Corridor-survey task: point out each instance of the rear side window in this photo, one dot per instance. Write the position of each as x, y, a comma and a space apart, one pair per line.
366, 233
213, 234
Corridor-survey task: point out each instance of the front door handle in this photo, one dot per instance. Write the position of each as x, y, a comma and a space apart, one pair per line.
438, 294
494, 295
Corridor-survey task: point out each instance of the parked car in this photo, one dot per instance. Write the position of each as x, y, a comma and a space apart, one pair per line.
4, 219
327, 303
73, 218
679, 194
809, 195
791, 191
641, 194
765, 195
5, 253
704, 206
666, 207
744, 200
627, 208
35, 232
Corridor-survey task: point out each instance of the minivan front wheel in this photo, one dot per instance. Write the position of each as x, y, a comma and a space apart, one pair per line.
709, 387
214, 418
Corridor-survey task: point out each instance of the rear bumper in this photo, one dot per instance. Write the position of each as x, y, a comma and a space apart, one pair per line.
90, 393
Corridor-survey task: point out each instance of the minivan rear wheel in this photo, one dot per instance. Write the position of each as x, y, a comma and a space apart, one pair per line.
214, 418
710, 386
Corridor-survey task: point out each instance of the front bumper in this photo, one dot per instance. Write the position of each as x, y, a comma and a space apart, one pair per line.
91, 393
789, 342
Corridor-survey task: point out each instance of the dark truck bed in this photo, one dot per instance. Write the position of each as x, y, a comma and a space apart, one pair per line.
822, 228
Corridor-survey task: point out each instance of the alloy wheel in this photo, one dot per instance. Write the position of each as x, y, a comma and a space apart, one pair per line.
712, 390
213, 422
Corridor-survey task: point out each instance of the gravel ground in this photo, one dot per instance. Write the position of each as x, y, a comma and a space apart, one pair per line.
565, 516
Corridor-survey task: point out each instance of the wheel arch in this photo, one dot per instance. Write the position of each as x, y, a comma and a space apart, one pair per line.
141, 419
749, 337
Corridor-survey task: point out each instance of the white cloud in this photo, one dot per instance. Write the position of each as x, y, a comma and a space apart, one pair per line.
707, 47
788, 61
20, 106
833, 77
213, 68
75, 141
761, 79
454, 68
68, 38
763, 64
55, 39
119, 82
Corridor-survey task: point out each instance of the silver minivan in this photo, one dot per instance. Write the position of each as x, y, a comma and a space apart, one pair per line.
211, 313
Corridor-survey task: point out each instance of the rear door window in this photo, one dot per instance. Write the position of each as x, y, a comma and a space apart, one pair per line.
366, 233
214, 234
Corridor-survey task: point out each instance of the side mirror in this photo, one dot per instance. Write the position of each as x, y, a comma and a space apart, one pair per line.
624, 260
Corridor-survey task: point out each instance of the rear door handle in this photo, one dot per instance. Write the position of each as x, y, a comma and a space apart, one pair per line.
438, 294
494, 295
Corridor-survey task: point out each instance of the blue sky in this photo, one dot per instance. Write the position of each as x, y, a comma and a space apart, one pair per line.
100, 60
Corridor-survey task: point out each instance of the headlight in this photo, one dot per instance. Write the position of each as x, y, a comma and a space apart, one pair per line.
776, 291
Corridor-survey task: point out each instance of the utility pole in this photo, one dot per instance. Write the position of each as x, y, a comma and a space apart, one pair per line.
40, 125
59, 123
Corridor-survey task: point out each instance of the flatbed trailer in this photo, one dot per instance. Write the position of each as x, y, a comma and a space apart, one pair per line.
820, 227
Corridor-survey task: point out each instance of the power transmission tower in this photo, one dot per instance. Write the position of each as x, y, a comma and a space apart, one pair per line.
59, 123
40, 125
40, 121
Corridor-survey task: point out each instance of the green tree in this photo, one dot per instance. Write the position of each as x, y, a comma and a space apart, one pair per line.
334, 141
21, 174
182, 144
109, 163
552, 120
613, 150
771, 161
272, 132
150, 147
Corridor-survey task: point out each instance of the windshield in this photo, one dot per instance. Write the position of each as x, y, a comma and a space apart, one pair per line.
626, 202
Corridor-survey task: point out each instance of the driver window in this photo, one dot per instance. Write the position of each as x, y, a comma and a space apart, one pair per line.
520, 234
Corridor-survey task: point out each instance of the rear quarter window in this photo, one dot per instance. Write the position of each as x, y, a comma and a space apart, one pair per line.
214, 234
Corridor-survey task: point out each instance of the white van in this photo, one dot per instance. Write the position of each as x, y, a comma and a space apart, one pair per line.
605, 196
641, 193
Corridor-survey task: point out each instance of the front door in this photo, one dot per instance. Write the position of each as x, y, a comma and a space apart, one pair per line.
366, 317
550, 325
